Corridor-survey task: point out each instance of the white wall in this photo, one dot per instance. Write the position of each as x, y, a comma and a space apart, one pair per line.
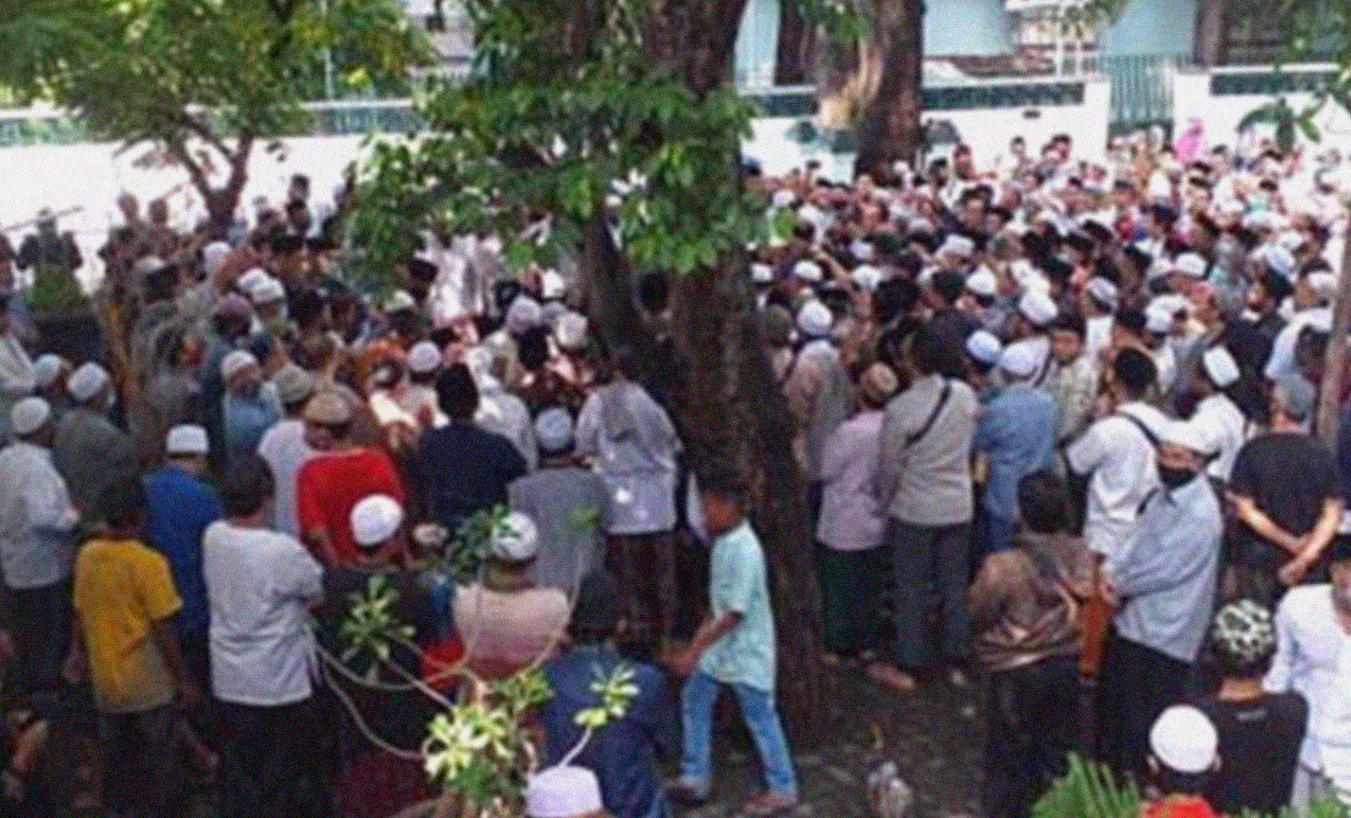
988, 131
1221, 114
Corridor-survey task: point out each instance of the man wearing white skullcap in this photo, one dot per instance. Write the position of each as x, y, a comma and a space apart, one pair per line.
982, 355
1313, 296
1163, 583
808, 273
179, 508
1217, 416
89, 451
563, 792
37, 542
554, 497
1015, 434
1035, 313
260, 586
820, 394
1183, 752
250, 405
505, 621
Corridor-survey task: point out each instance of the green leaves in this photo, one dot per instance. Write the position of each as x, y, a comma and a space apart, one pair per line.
567, 115
614, 692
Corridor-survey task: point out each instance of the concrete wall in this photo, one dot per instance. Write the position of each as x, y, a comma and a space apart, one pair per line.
1151, 27
1221, 114
757, 44
966, 27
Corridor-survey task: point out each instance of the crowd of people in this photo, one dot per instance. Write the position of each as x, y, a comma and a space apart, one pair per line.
1055, 418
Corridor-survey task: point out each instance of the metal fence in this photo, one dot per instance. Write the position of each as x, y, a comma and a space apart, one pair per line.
1142, 88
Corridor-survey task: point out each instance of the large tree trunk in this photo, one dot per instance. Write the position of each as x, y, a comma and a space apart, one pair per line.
890, 129
1209, 39
795, 46
731, 410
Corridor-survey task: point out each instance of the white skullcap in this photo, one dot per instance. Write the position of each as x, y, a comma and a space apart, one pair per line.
921, 225
1190, 264
957, 245
813, 215
375, 519
186, 438
1220, 366
562, 792
145, 265
866, 276
47, 368
515, 539
1159, 317
570, 333
553, 430
1259, 220
983, 283
400, 300
1279, 259
862, 250
808, 271
1158, 267
246, 282
1103, 291
551, 285
814, 319
1324, 284
214, 256
984, 347
1188, 435
783, 198
1018, 361
266, 290
28, 415
523, 314
424, 357
762, 273
236, 361
1184, 740
1291, 240
86, 381
1037, 307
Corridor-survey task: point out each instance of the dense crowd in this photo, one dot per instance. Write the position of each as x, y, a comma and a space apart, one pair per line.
1055, 418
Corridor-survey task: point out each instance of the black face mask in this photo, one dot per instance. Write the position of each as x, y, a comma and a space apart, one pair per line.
1174, 478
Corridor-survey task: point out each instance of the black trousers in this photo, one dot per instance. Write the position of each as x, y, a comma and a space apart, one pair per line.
270, 761
1135, 685
41, 634
141, 773
1031, 725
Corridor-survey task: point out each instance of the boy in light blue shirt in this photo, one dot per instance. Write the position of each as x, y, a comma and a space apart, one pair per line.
735, 646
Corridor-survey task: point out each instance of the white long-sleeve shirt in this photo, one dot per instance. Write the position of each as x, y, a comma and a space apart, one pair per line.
37, 518
1313, 658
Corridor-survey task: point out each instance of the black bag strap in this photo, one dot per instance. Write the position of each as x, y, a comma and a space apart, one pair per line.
1140, 424
942, 401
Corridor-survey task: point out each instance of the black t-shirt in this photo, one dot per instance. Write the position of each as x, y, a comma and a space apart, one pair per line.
1259, 747
1289, 475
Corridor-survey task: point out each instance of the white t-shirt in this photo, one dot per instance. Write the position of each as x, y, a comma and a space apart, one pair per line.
284, 449
1119, 460
259, 584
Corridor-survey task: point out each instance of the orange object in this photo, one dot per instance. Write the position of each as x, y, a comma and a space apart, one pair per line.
1096, 617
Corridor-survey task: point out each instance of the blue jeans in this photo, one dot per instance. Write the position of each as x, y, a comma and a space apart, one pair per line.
757, 709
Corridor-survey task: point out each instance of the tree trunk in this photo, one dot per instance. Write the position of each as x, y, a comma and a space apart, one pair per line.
890, 129
1209, 39
731, 410
796, 44
1334, 364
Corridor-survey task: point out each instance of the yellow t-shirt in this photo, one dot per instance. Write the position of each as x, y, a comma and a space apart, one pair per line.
120, 588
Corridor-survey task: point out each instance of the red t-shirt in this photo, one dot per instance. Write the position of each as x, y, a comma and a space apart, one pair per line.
330, 484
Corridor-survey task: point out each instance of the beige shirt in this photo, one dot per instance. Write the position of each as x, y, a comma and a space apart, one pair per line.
503, 631
928, 482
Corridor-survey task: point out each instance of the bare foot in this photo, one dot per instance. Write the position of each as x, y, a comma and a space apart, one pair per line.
892, 676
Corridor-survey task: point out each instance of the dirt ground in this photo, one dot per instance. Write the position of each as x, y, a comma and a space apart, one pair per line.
933, 735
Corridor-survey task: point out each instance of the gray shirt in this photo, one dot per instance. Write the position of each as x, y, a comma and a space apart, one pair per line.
1165, 576
90, 453
569, 506
928, 482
